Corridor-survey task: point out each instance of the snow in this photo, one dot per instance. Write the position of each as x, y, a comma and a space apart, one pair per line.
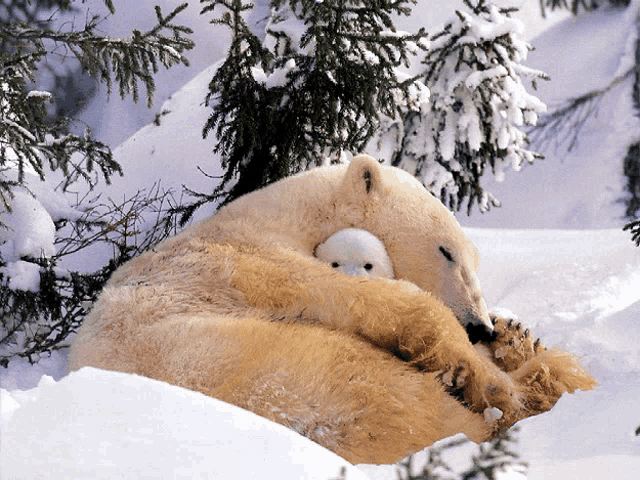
29, 229
581, 187
578, 290
553, 255
22, 275
103, 425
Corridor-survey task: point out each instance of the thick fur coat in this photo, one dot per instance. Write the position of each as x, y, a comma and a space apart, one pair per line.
238, 308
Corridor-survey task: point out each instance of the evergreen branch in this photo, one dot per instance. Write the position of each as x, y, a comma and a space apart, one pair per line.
129, 60
565, 123
634, 229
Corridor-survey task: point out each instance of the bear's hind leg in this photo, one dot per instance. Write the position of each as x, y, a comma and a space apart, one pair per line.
339, 390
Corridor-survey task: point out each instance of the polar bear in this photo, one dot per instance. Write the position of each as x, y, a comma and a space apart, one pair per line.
353, 251
238, 308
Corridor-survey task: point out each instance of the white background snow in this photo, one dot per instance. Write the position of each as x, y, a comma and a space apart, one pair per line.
554, 255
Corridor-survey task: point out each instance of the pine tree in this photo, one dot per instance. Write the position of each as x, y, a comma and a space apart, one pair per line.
477, 107
328, 82
313, 89
41, 303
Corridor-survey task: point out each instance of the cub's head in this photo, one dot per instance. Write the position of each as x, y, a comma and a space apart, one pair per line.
356, 252
422, 238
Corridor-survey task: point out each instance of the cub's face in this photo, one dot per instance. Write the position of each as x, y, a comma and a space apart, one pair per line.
353, 251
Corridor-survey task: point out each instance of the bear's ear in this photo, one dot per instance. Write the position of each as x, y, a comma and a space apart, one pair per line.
362, 178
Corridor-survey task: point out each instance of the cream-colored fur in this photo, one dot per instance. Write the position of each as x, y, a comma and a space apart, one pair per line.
236, 307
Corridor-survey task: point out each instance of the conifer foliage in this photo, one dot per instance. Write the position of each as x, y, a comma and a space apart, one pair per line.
314, 88
331, 80
477, 108
41, 302
491, 460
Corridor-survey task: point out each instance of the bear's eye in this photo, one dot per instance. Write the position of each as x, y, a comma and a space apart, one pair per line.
335, 264
368, 266
446, 254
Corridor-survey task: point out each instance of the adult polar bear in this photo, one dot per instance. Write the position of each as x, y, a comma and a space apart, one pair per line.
236, 307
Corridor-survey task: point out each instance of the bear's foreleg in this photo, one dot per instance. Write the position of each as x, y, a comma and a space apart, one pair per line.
412, 325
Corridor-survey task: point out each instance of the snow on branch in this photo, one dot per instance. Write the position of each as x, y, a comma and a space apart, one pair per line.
477, 108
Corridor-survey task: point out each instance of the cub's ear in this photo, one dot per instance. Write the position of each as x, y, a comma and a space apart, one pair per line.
362, 178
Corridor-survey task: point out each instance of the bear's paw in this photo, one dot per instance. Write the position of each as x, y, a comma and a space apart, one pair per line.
483, 389
512, 344
540, 375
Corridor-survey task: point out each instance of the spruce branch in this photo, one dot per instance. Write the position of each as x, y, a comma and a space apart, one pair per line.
634, 229
565, 123
495, 457
128, 60
284, 105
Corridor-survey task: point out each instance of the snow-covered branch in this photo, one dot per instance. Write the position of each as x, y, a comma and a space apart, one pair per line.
477, 109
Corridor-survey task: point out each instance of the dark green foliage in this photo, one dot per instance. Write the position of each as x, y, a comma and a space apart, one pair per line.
129, 61
494, 457
26, 138
33, 322
283, 108
631, 169
634, 229
490, 459
435, 468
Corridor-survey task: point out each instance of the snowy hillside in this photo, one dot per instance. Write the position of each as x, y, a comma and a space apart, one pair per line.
95, 424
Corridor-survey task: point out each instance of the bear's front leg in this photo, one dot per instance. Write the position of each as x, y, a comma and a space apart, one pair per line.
411, 324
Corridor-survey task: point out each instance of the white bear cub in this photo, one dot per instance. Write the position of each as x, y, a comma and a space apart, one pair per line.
356, 252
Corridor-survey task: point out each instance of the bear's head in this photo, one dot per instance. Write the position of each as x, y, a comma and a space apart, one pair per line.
423, 239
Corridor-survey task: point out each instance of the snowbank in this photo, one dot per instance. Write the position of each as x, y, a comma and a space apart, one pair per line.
96, 424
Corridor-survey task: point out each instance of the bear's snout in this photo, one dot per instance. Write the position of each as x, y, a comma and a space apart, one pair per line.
479, 332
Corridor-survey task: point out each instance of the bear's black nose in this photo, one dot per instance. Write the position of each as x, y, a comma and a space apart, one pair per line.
479, 333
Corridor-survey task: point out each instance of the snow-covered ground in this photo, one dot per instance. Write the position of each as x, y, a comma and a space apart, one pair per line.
578, 289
